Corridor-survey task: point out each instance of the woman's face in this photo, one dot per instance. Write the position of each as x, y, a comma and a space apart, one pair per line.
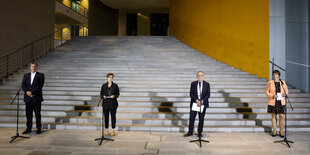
275, 76
110, 78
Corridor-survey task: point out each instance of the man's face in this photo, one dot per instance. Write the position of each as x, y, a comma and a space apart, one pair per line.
33, 68
200, 76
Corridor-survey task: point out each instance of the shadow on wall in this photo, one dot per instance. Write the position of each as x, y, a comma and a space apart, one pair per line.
243, 109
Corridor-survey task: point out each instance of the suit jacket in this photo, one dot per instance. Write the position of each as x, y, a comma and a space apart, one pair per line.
204, 96
35, 88
109, 103
271, 91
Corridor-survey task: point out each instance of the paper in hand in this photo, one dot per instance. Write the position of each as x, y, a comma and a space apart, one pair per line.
279, 96
196, 108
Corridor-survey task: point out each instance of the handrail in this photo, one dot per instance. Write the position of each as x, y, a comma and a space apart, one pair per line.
85, 12
273, 64
296, 63
33, 42
19, 58
288, 61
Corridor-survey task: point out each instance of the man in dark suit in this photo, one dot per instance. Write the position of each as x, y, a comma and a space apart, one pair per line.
32, 87
200, 94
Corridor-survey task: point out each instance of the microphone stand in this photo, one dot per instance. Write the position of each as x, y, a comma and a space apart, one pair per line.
102, 138
199, 135
17, 114
285, 139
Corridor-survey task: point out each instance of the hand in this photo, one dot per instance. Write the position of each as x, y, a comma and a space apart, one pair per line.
275, 96
112, 96
104, 97
283, 95
29, 93
198, 103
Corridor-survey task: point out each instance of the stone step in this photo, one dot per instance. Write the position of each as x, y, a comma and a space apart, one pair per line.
147, 77
102, 76
152, 121
127, 72
96, 88
162, 115
163, 99
232, 108
151, 93
163, 128
141, 103
99, 79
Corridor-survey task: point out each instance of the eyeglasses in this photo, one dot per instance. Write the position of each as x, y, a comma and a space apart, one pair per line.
200, 75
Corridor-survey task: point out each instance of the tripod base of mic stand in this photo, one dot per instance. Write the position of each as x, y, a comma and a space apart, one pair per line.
199, 140
17, 136
286, 141
102, 139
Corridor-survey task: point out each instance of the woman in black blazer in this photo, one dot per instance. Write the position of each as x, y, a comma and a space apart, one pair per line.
109, 94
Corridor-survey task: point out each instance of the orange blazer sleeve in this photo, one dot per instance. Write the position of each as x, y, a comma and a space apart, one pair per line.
267, 90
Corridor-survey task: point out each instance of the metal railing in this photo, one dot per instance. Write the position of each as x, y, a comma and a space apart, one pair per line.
287, 61
273, 65
301, 69
75, 6
20, 58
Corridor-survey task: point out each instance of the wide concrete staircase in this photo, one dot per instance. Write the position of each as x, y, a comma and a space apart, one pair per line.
154, 76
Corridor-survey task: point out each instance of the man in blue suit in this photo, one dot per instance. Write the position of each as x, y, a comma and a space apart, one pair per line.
200, 94
32, 86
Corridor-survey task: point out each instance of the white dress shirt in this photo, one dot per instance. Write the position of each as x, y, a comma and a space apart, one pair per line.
199, 91
32, 76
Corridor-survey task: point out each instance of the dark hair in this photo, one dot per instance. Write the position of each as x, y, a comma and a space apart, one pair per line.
33, 62
276, 72
110, 74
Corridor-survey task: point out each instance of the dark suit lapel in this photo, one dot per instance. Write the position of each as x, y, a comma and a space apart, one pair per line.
29, 79
204, 87
196, 86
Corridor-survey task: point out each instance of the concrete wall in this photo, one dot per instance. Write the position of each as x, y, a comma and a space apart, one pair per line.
235, 32
277, 35
297, 43
143, 20
102, 20
22, 22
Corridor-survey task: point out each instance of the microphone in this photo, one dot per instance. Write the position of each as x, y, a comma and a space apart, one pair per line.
281, 81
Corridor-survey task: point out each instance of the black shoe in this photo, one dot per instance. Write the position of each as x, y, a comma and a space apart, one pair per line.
39, 131
188, 134
199, 135
282, 136
27, 131
273, 135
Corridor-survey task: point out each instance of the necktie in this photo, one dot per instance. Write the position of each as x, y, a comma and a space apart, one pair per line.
199, 90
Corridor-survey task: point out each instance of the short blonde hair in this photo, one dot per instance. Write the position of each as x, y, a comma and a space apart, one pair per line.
200, 72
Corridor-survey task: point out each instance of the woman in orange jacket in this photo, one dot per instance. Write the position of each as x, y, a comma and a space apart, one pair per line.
276, 104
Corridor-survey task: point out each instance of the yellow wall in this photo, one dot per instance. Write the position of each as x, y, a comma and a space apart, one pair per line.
67, 3
85, 3
235, 32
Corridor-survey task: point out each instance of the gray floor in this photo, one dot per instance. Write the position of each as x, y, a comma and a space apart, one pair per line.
82, 142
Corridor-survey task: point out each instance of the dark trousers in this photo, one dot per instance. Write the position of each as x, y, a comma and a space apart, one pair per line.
36, 107
192, 121
106, 117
